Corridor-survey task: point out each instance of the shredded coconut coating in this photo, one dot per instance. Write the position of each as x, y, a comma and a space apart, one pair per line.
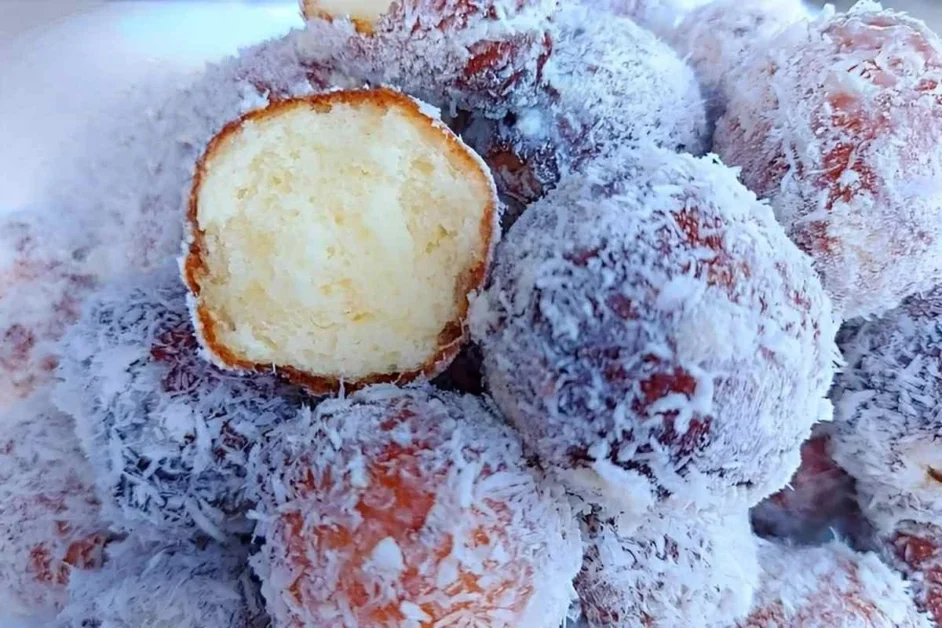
671, 571
887, 422
837, 123
915, 549
608, 83
717, 37
45, 272
652, 332
660, 16
118, 200
166, 586
480, 55
819, 503
829, 586
49, 516
168, 433
412, 508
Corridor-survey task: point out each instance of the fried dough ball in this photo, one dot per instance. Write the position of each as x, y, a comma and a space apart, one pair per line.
669, 571
829, 586
819, 503
887, 424
915, 549
609, 83
50, 529
660, 16
335, 239
652, 332
44, 276
718, 36
837, 123
410, 507
480, 55
166, 586
168, 434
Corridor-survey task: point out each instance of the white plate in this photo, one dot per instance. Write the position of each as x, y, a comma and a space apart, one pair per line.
75, 58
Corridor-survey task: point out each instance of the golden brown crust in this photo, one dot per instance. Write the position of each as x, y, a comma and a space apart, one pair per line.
452, 336
311, 10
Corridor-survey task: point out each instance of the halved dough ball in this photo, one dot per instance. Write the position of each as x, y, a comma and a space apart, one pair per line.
335, 238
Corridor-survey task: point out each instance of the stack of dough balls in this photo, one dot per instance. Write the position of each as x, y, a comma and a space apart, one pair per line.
491, 313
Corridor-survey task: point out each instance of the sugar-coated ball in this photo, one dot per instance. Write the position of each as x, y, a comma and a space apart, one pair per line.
608, 83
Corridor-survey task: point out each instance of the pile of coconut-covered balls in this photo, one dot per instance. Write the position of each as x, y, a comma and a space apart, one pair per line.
484, 313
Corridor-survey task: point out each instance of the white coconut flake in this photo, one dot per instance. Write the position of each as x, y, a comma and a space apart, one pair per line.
165, 586
452, 529
168, 434
827, 586
837, 123
50, 525
887, 424
668, 571
593, 363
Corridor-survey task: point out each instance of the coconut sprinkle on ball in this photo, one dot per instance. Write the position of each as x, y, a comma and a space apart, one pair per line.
608, 83
887, 426
652, 332
45, 274
409, 507
915, 550
485, 55
716, 37
167, 432
50, 525
669, 571
827, 586
166, 586
837, 122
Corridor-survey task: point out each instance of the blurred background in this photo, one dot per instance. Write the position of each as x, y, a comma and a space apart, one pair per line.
62, 61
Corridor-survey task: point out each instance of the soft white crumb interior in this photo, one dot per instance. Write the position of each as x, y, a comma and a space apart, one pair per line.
363, 10
335, 240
